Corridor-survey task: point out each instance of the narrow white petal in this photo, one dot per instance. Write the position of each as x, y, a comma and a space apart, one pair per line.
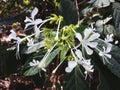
109, 38
34, 61
27, 20
88, 50
68, 70
44, 69
109, 47
92, 44
79, 54
108, 55
28, 24
37, 21
94, 36
36, 29
87, 32
13, 35
87, 62
101, 53
34, 12
31, 64
72, 64
78, 36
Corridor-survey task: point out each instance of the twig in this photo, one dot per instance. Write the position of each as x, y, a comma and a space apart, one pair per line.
76, 3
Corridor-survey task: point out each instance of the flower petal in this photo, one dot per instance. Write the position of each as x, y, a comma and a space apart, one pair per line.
92, 44
68, 70
36, 29
101, 53
88, 50
87, 65
13, 35
34, 12
27, 20
94, 36
28, 24
78, 36
79, 54
109, 47
37, 21
108, 55
72, 64
87, 32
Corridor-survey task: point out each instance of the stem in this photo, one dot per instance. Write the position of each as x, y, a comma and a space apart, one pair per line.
44, 22
76, 3
76, 59
56, 37
54, 71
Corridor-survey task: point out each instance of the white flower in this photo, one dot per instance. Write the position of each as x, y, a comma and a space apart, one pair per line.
13, 36
88, 40
101, 3
30, 42
71, 66
79, 54
34, 63
105, 52
33, 21
84, 62
109, 38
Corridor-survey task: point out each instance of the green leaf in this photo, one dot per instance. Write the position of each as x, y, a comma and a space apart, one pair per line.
37, 56
114, 62
68, 10
75, 81
81, 28
107, 80
31, 71
63, 52
51, 56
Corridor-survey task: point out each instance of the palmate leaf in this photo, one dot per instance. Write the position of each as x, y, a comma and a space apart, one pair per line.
75, 81
114, 62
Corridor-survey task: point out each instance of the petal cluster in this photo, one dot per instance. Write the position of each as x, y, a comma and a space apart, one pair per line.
88, 40
33, 21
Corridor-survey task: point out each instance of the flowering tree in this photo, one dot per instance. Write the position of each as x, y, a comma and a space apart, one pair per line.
82, 40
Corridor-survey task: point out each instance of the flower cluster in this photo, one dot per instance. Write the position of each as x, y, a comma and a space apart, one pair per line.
80, 44
86, 46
